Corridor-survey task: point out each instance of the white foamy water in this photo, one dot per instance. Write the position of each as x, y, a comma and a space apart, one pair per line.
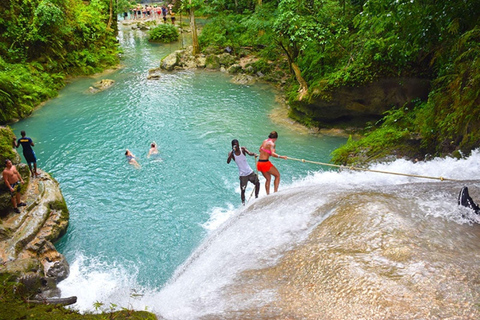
258, 236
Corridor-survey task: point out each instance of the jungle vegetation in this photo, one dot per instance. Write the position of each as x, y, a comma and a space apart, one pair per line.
327, 44
313, 46
43, 42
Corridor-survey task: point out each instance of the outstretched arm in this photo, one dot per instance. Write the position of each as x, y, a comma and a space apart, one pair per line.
245, 150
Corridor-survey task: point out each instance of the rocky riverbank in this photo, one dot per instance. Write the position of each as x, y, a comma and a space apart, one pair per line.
26, 238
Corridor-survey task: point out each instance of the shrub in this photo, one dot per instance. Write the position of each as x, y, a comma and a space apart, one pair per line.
164, 33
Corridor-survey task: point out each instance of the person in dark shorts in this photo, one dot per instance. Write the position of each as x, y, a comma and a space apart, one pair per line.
246, 173
164, 13
28, 152
14, 181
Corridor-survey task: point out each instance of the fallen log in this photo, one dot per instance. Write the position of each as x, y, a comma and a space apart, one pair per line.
61, 301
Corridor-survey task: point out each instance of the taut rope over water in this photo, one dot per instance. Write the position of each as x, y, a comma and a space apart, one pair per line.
371, 170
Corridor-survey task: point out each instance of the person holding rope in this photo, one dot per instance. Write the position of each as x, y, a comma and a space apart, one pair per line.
245, 171
264, 165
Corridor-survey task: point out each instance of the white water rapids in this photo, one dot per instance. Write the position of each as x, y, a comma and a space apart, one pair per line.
334, 245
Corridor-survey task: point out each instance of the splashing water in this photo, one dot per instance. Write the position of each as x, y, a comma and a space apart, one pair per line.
171, 236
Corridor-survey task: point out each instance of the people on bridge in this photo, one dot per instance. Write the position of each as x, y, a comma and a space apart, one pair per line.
238, 154
14, 181
264, 165
28, 152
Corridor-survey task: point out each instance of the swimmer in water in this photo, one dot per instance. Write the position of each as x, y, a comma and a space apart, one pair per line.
153, 150
131, 158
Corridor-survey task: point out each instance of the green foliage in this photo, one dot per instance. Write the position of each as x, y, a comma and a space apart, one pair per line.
43, 41
352, 43
239, 30
14, 307
6, 145
453, 118
395, 133
164, 33
22, 87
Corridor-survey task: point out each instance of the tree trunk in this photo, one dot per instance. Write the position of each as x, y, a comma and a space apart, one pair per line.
193, 26
303, 84
110, 18
61, 301
296, 70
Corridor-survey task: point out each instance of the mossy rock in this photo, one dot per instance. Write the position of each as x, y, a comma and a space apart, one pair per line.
7, 151
226, 60
235, 69
212, 62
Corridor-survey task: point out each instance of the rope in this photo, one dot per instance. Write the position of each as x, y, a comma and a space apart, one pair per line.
256, 170
371, 170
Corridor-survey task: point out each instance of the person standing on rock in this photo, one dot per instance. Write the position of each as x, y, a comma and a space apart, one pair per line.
246, 173
13, 180
28, 153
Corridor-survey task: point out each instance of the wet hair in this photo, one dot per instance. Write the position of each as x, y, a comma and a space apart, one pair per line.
152, 145
22, 133
234, 142
273, 135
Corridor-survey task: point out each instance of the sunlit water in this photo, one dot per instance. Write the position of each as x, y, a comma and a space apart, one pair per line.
131, 228
172, 238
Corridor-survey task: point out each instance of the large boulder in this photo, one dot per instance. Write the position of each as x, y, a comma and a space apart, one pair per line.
171, 61
26, 244
212, 62
363, 103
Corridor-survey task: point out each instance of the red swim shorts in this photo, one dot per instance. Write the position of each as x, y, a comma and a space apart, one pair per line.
264, 166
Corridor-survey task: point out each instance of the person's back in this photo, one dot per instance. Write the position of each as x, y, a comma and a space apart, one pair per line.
26, 143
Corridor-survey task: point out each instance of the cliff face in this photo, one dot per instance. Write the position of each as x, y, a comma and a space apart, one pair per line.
26, 238
357, 105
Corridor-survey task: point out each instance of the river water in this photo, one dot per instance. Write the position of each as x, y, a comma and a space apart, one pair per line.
171, 237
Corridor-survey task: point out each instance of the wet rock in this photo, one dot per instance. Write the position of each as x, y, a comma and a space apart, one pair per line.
368, 102
26, 246
244, 79
101, 85
170, 61
154, 74
235, 69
